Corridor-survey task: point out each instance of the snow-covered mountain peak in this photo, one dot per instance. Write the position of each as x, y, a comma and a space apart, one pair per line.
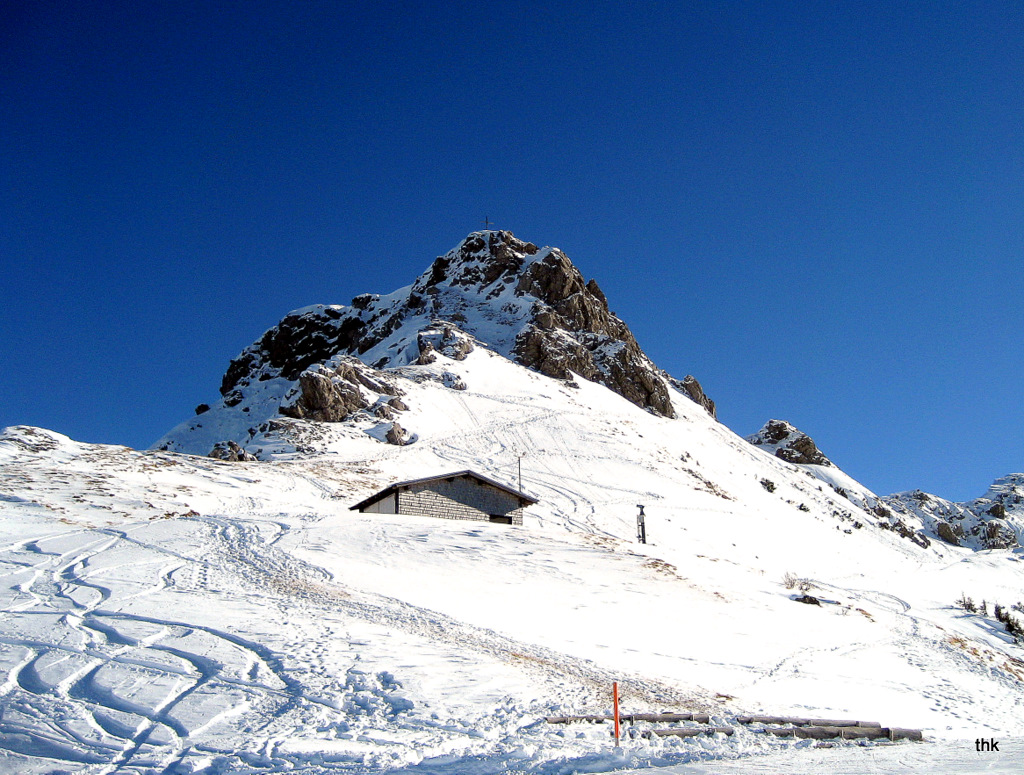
522, 302
481, 260
786, 442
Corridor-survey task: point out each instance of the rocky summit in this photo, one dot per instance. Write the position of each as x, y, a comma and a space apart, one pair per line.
786, 442
526, 303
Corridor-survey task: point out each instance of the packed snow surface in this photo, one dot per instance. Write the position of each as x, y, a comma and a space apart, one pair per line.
168, 613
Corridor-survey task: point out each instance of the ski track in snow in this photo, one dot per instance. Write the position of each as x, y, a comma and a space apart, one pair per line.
120, 686
210, 639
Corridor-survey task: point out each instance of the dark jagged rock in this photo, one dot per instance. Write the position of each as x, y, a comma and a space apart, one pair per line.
395, 435
600, 347
945, 532
999, 535
321, 397
445, 339
690, 387
296, 343
231, 452
789, 444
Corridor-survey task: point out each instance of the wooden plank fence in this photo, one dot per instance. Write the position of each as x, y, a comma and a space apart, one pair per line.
786, 726
804, 722
686, 731
632, 718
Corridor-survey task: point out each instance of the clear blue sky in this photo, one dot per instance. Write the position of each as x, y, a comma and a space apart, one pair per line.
815, 208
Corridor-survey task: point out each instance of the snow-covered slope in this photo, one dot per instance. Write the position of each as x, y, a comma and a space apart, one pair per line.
179, 613
165, 612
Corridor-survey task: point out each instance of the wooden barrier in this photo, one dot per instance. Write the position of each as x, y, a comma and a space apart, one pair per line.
799, 722
687, 731
845, 733
804, 722
804, 728
700, 718
895, 733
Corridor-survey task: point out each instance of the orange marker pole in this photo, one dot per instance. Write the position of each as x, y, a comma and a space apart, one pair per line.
615, 704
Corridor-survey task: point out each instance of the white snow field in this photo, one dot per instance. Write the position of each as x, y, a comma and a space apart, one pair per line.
167, 613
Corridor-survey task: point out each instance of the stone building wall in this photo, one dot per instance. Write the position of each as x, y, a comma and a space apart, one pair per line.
460, 498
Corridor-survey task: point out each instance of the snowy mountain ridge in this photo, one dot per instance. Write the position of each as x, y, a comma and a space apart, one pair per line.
993, 521
525, 303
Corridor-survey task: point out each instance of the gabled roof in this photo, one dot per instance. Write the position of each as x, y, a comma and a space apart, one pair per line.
529, 500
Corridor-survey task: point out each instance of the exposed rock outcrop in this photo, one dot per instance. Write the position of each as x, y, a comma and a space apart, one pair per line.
231, 452
689, 386
452, 380
302, 338
789, 444
445, 339
330, 392
396, 435
945, 531
573, 331
993, 521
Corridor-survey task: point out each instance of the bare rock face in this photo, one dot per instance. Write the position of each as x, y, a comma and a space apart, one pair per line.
479, 261
331, 392
945, 531
689, 386
998, 535
300, 340
323, 397
993, 521
568, 327
789, 444
599, 346
231, 452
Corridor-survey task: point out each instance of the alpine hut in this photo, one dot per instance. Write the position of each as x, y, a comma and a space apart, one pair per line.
461, 495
